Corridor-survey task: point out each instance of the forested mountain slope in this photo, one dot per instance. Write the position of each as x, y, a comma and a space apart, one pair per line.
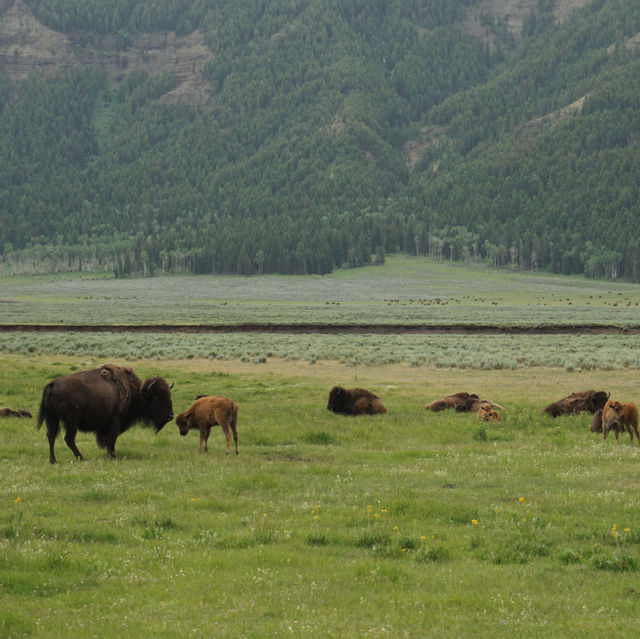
294, 136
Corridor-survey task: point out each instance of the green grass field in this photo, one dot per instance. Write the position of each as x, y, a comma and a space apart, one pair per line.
410, 524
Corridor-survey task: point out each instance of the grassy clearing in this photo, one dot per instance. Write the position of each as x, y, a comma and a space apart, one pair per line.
407, 524
405, 290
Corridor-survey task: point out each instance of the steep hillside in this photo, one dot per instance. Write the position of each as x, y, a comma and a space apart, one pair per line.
288, 136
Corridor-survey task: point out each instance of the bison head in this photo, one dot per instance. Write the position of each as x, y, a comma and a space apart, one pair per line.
336, 399
156, 402
185, 422
598, 400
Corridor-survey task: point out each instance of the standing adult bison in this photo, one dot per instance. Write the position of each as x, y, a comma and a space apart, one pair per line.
107, 401
354, 401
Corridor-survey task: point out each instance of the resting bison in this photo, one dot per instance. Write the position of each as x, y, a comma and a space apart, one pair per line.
354, 401
582, 402
451, 401
10, 412
596, 422
208, 411
620, 414
487, 413
473, 405
463, 402
107, 401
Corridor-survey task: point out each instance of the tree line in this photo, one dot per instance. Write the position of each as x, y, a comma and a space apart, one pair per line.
298, 165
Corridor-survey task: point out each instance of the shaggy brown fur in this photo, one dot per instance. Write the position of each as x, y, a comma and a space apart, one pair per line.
588, 401
619, 415
596, 422
451, 401
208, 411
354, 401
107, 401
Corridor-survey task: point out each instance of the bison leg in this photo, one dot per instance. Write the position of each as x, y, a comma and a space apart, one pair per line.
52, 433
204, 438
227, 435
70, 441
234, 430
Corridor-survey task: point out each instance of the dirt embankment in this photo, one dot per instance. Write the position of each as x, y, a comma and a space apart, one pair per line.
330, 329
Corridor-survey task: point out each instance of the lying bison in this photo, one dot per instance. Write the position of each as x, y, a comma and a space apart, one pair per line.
596, 422
354, 401
588, 401
107, 401
451, 401
620, 415
487, 413
463, 402
208, 411
5, 411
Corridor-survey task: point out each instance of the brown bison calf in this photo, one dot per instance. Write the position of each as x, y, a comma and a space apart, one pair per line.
486, 413
208, 411
354, 401
620, 414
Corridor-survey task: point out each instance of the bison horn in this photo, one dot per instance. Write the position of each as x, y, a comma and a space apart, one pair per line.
172, 385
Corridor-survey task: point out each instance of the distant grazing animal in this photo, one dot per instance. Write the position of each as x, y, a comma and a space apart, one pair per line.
208, 411
588, 401
107, 401
10, 412
487, 413
354, 401
451, 401
620, 414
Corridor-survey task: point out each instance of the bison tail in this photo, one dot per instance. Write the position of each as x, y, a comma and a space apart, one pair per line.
43, 409
45, 405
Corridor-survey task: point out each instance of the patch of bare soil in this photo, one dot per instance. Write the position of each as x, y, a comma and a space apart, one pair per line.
329, 329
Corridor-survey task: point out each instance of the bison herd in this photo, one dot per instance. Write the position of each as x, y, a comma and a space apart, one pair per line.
110, 399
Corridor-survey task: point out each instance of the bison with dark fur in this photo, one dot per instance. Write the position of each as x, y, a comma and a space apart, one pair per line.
107, 401
473, 405
5, 411
208, 411
354, 401
451, 401
463, 402
596, 422
588, 401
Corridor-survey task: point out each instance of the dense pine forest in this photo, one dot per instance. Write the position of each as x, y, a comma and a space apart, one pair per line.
317, 135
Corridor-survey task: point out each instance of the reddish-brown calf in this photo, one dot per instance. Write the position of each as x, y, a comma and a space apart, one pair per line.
619, 415
208, 411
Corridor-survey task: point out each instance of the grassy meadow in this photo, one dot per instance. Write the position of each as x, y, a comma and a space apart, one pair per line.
410, 524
